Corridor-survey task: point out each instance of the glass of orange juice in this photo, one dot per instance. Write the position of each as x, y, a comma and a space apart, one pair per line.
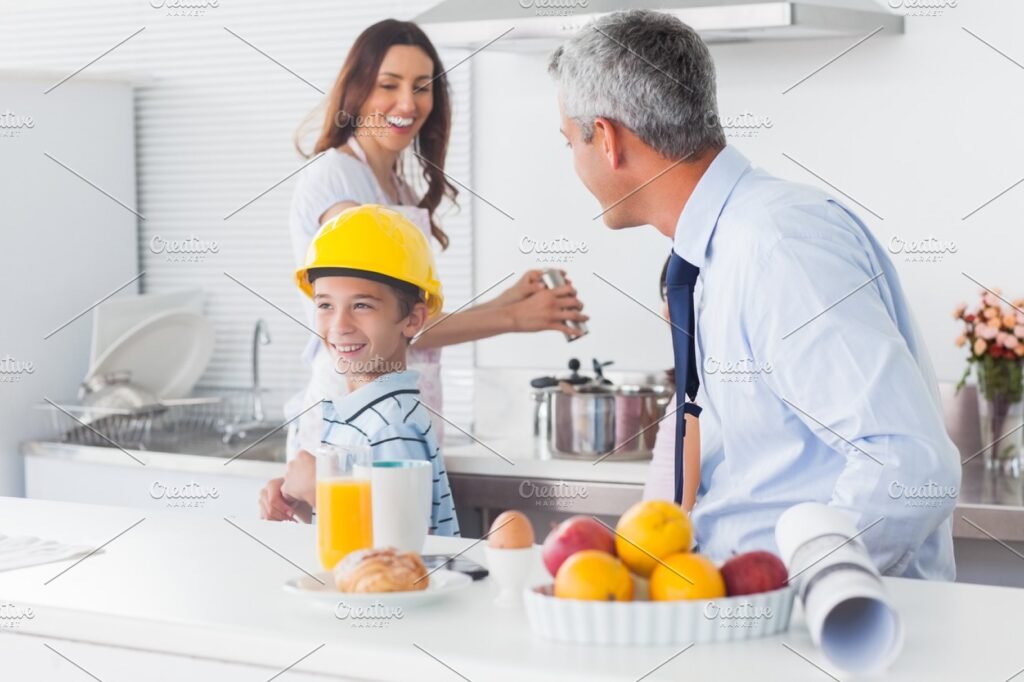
344, 510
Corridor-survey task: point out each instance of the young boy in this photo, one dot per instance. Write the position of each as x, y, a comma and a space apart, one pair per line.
371, 276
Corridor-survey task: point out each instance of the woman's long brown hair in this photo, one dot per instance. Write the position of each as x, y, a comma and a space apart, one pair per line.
355, 82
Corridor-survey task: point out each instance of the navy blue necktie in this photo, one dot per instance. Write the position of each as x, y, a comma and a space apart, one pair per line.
679, 281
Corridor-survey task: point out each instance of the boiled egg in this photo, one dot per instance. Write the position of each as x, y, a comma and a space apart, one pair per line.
511, 530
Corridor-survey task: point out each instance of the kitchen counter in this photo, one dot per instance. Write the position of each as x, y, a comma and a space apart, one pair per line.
497, 457
198, 595
493, 470
488, 458
990, 502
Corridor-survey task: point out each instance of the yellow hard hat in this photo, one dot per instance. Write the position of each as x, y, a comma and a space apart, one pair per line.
375, 240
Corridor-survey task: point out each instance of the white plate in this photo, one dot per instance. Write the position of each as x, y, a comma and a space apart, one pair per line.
111, 319
442, 583
165, 354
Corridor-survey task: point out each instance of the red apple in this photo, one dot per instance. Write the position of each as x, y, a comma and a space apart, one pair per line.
572, 535
754, 572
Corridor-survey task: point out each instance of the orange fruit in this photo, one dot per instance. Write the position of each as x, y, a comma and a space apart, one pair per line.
594, 575
651, 530
686, 576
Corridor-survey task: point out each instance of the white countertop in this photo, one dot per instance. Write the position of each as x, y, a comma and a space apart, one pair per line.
523, 459
486, 457
183, 585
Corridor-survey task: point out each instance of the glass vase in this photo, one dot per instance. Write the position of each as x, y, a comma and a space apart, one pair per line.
1001, 416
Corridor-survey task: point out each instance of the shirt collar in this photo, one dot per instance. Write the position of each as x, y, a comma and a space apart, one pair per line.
700, 214
350, 405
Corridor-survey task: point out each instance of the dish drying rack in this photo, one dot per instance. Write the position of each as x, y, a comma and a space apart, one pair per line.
205, 411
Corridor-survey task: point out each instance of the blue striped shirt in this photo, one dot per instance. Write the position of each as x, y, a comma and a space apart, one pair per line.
388, 416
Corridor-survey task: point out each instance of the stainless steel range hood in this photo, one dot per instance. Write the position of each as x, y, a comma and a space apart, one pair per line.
544, 24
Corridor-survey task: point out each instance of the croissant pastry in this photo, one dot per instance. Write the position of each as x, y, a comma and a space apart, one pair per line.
381, 570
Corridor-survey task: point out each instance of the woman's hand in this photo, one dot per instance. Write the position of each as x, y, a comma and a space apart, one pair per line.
527, 285
300, 479
273, 506
548, 309
526, 306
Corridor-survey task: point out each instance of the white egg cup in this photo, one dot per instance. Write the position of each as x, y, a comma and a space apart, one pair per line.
510, 570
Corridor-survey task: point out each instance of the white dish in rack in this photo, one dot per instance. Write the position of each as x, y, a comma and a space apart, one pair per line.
113, 318
165, 354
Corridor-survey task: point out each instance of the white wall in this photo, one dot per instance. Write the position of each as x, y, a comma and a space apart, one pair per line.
922, 128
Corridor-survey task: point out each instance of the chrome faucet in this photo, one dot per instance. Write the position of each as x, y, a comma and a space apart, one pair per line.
260, 335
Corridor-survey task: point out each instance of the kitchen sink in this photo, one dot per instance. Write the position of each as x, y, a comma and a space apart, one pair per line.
221, 423
261, 443
265, 443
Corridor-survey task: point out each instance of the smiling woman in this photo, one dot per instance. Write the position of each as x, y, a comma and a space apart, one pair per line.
391, 92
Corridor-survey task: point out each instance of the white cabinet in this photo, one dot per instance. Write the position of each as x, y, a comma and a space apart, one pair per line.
26, 658
151, 487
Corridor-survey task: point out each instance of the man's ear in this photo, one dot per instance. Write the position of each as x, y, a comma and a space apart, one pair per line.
608, 141
416, 320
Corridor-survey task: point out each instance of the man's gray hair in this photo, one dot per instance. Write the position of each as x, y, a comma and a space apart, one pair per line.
647, 71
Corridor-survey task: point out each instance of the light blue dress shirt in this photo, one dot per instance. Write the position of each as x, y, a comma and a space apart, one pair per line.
815, 382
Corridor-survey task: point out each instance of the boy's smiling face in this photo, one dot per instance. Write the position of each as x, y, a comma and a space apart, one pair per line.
364, 327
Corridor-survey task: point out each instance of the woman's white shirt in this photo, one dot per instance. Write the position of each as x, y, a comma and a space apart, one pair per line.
333, 178
330, 179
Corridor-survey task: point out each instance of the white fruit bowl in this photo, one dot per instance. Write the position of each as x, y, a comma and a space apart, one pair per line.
653, 623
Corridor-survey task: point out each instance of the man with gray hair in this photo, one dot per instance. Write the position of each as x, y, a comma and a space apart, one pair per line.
783, 277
